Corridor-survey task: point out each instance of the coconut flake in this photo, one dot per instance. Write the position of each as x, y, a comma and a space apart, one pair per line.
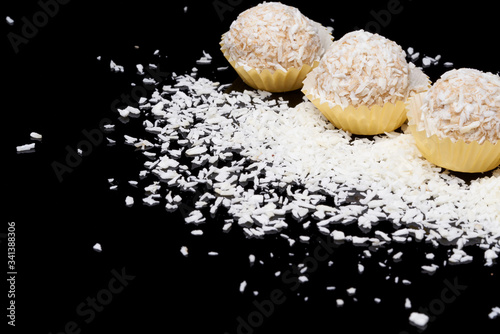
419, 319
184, 251
26, 148
495, 313
114, 67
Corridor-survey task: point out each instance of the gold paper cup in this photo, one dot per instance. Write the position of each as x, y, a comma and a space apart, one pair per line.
457, 156
272, 81
362, 120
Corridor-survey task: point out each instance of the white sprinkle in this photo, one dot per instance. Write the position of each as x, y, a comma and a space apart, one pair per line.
338, 235
157, 109
303, 279
143, 144
27, 148
195, 217
197, 232
430, 269
213, 253
109, 127
184, 251
418, 319
339, 302
153, 188
358, 241
150, 201
351, 291
140, 69
97, 247
36, 136
196, 150
114, 67
205, 59
129, 201
227, 227
426, 61
9, 20
495, 313
243, 285
383, 235
397, 256
129, 139
407, 304
304, 238
490, 255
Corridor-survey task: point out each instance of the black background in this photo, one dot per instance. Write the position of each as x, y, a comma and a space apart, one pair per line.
55, 85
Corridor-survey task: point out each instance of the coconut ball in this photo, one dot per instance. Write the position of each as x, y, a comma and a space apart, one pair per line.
273, 36
463, 104
362, 68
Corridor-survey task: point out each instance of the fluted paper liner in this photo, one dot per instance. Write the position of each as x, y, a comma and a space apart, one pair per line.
364, 120
458, 156
278, 81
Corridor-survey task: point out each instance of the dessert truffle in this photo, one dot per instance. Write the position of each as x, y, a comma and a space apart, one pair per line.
363, 68
463, 104
362, 83
456, 123
274, 37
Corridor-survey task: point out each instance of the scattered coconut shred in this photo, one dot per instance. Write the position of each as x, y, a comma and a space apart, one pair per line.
262, 161
282, 147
